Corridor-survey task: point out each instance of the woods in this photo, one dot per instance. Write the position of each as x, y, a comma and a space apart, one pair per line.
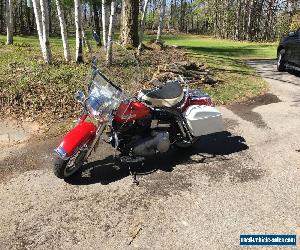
253, 20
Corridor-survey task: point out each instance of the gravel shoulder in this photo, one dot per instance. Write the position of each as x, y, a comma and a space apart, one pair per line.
243, 181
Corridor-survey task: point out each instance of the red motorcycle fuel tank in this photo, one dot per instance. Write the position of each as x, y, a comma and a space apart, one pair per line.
130, 111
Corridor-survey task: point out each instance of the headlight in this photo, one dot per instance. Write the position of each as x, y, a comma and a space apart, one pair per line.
93, 106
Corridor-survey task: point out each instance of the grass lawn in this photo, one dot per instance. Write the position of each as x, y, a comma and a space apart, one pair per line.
221, 48
227, 59
25, 81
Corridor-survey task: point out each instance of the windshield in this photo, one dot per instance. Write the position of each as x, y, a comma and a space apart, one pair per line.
104, 96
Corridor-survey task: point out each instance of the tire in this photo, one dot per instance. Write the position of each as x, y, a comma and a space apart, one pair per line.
281, 61
65, 168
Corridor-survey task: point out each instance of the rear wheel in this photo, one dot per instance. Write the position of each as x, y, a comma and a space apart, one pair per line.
281, 61
65, 168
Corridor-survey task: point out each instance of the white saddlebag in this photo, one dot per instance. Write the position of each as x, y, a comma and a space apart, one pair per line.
203, 120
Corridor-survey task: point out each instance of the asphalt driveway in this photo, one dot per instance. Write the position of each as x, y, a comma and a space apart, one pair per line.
243, 181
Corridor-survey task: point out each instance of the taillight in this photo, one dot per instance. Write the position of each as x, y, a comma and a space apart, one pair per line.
205, 100
197, 97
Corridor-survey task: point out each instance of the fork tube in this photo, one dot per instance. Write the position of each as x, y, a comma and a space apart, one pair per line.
97, 137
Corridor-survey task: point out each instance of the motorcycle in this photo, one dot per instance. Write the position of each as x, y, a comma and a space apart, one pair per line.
146, 124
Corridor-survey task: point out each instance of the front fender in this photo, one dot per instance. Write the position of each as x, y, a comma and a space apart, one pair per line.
82, 134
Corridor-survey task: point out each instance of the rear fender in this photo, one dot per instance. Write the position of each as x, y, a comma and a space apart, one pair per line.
82, 134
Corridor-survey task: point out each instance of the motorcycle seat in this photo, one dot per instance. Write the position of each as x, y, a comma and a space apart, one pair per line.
167, 95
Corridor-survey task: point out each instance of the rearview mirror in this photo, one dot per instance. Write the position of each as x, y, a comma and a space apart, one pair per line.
292, 33
79, 96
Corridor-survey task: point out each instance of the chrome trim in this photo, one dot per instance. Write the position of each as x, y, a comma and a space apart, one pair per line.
187, 94
61, 153
116, 144
97, 138
181, 128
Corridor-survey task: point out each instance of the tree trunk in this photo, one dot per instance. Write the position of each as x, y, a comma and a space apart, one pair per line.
30, 24
110, 33
38, 21
248, 37
86, 43
153, 14
78, 24
49, 11
9, 22
171, 22
192, 16
181, 28
104, 23
143, 24
1, 16
238, 22
175, 14
45, 27
130, 23
197, 23
21, 18
85, 11
96, 22
63, 30
161, 21
37, 14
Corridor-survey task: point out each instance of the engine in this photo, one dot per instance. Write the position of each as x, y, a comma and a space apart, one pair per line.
159, 142
144, 137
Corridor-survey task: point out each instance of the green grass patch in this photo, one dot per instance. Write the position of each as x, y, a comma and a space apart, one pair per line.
227, 61
209, 46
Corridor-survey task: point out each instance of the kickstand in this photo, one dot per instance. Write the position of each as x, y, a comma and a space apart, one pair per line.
133, 174
133, 163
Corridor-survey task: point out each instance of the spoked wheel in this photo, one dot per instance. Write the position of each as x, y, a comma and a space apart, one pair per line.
281, 61
65, 168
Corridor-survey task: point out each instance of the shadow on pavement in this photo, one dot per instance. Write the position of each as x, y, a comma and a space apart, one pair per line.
245, 109
209, 147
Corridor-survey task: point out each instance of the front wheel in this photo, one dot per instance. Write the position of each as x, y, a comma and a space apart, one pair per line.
281, 61
65, 168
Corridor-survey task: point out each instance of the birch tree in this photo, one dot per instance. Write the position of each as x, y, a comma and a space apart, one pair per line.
104, 23
142, 26
45, 26
9, 22
78, 24
42, 25
63, 30
254, 20
110, 33
86, 43
161, 21
37, 14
